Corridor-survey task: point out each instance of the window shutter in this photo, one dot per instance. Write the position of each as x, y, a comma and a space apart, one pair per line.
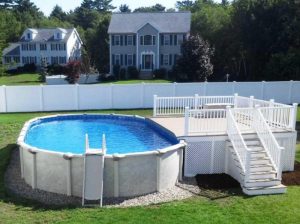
170, 59
112, 40
113, 59
175, 59
161, 59
175, 39
125, 61
121, 59
171, 39
121, 40
134, 59
134, 40
125, 42
141, 40
162, 39
153, 40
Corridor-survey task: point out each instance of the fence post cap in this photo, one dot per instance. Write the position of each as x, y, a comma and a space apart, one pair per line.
272, 100
295, 104
236, 94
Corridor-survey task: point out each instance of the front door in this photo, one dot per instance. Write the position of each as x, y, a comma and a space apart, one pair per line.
147, 63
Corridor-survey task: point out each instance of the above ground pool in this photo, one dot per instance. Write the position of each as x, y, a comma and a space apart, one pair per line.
142, 157
124, 134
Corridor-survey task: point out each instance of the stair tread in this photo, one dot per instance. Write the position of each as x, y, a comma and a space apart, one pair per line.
262, 180
261, 172
267, 187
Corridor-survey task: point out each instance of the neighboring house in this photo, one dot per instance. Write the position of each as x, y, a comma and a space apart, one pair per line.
147, 41
54, 46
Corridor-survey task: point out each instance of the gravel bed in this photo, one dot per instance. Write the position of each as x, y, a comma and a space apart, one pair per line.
17, 186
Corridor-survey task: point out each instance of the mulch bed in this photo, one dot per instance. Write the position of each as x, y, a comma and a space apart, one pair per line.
217, 186
292, 178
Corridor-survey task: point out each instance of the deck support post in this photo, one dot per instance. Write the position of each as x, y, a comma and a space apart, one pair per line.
293, 116
186, 121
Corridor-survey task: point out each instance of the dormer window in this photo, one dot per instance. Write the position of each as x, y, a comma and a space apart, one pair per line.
28, 36
58, 36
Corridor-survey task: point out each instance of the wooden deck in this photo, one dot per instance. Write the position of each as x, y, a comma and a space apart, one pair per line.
176, 125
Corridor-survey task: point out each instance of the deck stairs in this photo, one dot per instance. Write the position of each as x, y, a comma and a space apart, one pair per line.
262, 178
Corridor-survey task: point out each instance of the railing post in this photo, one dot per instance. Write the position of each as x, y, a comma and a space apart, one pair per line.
293, 116
196, 101
186, 121
154, 105
235, 100
226, 116
251, 105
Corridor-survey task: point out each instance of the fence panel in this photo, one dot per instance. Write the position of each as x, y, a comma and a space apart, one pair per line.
127, 96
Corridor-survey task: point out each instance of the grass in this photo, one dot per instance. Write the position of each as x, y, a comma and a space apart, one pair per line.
136, 81
236, 208
21, 79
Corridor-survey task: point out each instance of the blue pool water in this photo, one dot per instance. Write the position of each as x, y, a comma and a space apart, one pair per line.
123, 134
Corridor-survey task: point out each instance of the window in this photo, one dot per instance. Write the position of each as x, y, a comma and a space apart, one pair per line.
54, 60
62, 60
58, 36
16, 59
43, 47
62, 47
167, 39
117, 40
32, 47
24, 47
129, 40
166, 59
28, 36
117, 59
129, 59
179, 39
7, 59
147, 40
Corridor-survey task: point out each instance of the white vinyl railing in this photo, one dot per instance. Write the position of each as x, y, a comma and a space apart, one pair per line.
205, 121
238, 143
171, 106
268, 141
244, 118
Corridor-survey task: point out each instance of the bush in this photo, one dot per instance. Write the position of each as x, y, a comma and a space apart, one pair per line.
73, 69
160, 73
27, 68
116, 70
123, 73
132, 72
106, 78
56, 69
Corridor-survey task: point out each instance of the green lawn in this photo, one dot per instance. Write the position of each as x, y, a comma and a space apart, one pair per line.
21, 79
232, 209
135, 81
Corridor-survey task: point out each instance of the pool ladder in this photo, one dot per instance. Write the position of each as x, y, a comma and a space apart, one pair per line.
92, 192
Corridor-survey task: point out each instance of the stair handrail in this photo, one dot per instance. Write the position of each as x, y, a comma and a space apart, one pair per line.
269, 142
238, 143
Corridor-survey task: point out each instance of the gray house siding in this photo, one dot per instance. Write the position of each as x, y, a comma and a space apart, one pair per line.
158, 38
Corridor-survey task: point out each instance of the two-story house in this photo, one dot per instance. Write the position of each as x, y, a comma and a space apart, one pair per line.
147, 41
54, 46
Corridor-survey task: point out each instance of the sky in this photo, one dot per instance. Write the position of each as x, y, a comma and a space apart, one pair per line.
47, 5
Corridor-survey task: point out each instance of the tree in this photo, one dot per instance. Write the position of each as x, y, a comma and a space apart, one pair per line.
58, 13
87, 4
154, 8
195, 61
73, 69
184, 5
124, 8
6, 4
103, 5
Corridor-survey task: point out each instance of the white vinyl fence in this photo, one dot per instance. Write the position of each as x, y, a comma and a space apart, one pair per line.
111, 96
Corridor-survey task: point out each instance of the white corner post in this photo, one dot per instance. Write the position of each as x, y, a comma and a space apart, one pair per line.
186, 121
196, 101
154, 105
235, 100
251, 105
293, 116
41, 97
5, 98
227, 117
